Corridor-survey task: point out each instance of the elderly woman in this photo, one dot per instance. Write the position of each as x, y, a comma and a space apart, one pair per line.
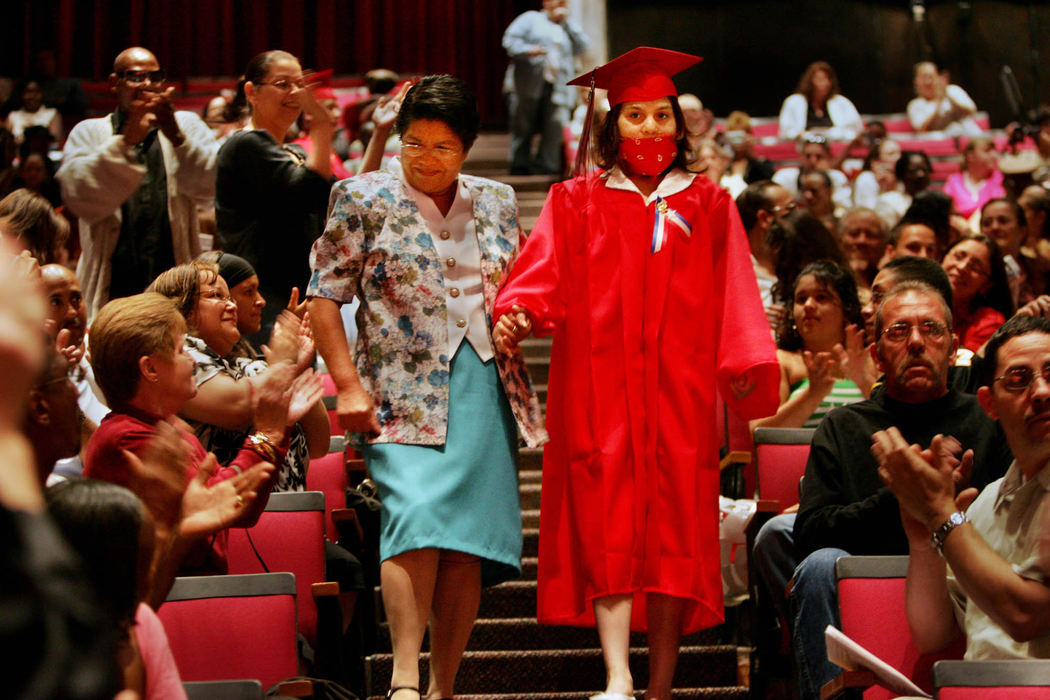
221, 412
29, 220
817, 105
978, 181
423, 247
641, 271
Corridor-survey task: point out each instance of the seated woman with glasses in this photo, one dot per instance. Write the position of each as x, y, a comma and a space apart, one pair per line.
981, 294
424, 248
816, 371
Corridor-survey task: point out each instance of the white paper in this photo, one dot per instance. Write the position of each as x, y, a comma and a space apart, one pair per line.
853, 657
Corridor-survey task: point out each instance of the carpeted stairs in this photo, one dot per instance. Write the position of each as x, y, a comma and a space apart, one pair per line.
510, 656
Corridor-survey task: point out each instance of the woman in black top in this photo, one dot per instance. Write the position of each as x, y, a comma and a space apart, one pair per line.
270, 199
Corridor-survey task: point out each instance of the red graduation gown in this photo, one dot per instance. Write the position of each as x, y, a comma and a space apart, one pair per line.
641, 341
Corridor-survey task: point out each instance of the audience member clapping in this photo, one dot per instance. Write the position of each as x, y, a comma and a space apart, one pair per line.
221, 413
979, 286
817, 105
939, 105
820, 347
146, 374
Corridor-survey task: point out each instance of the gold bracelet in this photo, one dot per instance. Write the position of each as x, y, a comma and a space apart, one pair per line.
263, 446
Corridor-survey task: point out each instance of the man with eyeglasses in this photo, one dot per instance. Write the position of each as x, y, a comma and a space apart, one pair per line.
135, 179
844, 508
998, 591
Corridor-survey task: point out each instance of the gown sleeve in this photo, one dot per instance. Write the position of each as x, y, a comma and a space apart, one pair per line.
745, 350
535, 280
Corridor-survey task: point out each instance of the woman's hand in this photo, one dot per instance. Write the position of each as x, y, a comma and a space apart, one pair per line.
511, 329
356, 411
272, 393
386, 111
208, 509
307, 390
319, 119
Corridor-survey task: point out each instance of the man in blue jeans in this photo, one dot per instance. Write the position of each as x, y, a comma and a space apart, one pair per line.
844, 508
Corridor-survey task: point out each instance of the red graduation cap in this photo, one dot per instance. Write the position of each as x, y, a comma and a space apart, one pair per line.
640, 74
322, 84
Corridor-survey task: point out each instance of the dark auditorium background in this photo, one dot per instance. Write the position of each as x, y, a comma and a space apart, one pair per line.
755, 49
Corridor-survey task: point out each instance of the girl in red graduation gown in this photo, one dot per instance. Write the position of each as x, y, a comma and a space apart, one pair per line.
641, 272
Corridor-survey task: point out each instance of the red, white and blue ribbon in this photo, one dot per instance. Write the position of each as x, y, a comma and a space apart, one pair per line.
666, 216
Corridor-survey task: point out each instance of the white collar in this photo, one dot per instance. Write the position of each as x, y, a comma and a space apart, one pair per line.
672, 183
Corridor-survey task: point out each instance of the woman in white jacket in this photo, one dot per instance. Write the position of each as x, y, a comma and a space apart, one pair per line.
817, 105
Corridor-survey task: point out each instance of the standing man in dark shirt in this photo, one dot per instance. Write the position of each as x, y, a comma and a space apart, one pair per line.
135, 179
844, 507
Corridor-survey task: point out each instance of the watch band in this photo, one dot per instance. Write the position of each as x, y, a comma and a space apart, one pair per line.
941, 534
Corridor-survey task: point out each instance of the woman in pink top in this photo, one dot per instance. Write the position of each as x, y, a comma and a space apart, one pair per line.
979, 180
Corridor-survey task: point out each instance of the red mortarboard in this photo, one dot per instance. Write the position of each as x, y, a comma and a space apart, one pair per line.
640, 74
322, 79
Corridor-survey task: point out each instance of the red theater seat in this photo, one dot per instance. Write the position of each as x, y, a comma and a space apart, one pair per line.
1027, 679
780, 459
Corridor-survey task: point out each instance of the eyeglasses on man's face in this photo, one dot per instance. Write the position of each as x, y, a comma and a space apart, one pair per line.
928, 330
1017, 380
141, 77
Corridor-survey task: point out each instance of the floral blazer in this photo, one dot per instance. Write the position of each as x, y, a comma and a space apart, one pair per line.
377, 247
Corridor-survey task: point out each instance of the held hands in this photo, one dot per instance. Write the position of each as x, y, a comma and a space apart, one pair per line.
511, 329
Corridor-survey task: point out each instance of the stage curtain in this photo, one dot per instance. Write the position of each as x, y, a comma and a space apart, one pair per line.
201, 38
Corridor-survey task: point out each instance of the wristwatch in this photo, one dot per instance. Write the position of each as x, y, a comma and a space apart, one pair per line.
941, 534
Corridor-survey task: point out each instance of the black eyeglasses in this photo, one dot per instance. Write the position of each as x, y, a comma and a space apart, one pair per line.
139, 77
1019, 379
899, 332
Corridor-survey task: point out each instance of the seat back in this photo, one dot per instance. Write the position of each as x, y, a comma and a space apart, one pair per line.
289, 536
328, 475
872, 609
224, 690
232, 627
780, 461
734, 435
1026, 679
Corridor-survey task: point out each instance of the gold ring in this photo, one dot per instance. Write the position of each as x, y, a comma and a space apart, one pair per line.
240, 500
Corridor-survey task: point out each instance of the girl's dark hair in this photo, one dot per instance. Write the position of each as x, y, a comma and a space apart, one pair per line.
1018, 210
833, 277
934, 209
607, 138
258, 68
805, 83
102, 522
795, 241
900, 168
998, 294
442, 98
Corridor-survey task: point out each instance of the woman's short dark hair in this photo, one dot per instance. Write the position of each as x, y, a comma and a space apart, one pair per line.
442, 98
101, 521
833, 277
900, 168
805, 83
257, 70
607, 138
998, 294
795, 241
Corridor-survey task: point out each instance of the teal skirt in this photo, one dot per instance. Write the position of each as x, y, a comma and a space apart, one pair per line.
462, 495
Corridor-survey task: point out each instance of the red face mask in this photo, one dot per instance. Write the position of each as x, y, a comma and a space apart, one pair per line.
649, 156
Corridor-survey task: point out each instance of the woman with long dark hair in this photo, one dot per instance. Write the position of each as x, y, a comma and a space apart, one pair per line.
818, 105
980, 291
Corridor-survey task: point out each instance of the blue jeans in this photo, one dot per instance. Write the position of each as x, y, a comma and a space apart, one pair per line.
814, 606
774, 556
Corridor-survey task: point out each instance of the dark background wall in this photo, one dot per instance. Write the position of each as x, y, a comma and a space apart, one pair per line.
755, 50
